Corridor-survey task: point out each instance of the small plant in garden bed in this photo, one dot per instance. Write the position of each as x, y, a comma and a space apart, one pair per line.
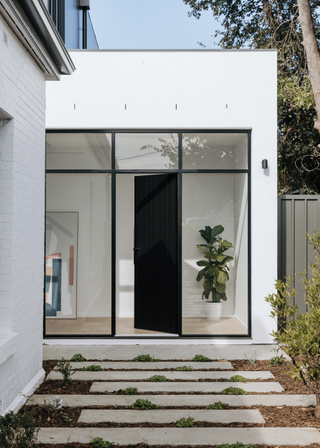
234, 391
92, 368
238, 379
200, 358
277, 361
130, 391
98, 442
185, 422
64, 367
253, 358
235, 445
158, 378
218, 405
54, 405
183, 369
18, 431
143, 404
78, 358
145, 358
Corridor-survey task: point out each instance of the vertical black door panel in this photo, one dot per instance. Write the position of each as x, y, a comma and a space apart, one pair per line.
155, 306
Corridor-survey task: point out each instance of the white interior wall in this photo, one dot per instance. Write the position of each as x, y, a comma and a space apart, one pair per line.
140, 90
90, 196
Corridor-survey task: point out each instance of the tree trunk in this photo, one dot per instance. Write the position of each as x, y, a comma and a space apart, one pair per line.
312, 52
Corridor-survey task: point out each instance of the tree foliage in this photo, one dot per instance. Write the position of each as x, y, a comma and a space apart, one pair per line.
299, 334
266, 24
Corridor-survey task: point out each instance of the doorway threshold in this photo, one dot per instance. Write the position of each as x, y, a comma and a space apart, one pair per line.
167, 335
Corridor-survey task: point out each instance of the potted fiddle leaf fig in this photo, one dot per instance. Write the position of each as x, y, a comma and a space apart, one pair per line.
214, 272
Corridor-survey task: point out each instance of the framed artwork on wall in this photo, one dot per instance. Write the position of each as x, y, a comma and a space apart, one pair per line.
61, 264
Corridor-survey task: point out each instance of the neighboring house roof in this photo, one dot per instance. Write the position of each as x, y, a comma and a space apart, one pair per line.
38, 33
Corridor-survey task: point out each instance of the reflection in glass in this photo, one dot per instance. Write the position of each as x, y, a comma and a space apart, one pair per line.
78, 253
211, 200
214, 151
146, 151
77, 151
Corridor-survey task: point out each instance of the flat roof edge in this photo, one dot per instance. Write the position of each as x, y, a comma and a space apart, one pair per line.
247, 50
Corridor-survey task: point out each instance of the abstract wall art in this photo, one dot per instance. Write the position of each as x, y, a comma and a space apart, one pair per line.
61, 264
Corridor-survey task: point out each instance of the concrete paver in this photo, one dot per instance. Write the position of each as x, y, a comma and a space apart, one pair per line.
183, 436
160, 350
185, 386
180, 400
167, 416
190, 376
154, 365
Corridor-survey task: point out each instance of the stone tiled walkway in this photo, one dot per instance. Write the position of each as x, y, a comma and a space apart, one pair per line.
112, 381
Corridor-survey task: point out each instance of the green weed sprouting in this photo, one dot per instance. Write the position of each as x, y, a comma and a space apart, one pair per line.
157, 378
234, 391
78, 358
98, 442
277, 361
183, 369
92, 368
145, 358
238, 379
200, 358
218, 405
185, 422
143, 404
130, 391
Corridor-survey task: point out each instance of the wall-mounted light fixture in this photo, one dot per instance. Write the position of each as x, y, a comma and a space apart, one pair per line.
264, 164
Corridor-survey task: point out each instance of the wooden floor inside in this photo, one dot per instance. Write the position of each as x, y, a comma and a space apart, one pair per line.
125, 326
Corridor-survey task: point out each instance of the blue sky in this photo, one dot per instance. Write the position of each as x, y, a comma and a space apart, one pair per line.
150, 24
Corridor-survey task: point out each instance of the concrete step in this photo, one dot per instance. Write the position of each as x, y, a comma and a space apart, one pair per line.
181, 400
182, 349
182, 436
167, 416
153, 365
190, 376
210, 387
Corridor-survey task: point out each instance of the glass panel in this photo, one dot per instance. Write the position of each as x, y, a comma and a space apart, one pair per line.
78, 254
215, 200
146, 151
214, 151
76, 151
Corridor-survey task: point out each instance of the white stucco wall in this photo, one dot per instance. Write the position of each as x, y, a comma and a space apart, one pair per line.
22, 158
188, 90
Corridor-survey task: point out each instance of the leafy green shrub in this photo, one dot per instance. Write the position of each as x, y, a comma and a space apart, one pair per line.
253, 358
158, 378
130, 391
234, 391
218, 405
18, 431
185, 422
78, 358
200, 358
64, 367
277, 361
299, 333
183, 369
92, 368
238, 379
143, 404
235, 445
145, 358
98, 442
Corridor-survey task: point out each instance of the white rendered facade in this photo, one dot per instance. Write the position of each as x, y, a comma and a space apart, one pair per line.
22, 163
183, 90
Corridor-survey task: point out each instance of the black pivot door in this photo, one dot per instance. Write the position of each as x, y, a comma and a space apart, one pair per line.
155, 297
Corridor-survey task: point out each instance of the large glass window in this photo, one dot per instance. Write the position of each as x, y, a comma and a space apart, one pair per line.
213, 151
146, 151
78, 254
215, 200
78, 151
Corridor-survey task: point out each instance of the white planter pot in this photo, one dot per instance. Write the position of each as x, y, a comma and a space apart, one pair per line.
213, 310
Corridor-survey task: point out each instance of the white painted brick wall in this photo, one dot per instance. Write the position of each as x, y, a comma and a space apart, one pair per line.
22, 168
